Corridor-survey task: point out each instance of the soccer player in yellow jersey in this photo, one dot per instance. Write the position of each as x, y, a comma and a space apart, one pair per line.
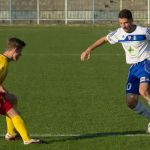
15, 123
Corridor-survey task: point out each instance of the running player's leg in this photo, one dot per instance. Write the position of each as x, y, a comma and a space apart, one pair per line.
132, 94
134, 104
144, 76
11, 131
18, 123
21, 127
144, 90
7, 109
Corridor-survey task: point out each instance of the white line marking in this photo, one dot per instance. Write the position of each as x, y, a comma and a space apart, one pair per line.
89, 135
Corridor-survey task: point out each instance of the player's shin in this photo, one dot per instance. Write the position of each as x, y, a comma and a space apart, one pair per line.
21, 127
142, 110
10, 126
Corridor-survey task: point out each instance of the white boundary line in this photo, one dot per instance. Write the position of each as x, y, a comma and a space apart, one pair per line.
89, 135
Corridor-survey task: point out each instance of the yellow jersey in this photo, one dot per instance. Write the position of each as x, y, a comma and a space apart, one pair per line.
3, 67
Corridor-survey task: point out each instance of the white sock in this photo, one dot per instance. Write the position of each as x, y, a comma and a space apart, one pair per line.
142, 110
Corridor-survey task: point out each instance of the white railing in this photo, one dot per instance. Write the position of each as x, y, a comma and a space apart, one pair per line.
66, 11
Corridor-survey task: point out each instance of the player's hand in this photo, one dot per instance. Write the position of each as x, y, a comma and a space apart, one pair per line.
85, 54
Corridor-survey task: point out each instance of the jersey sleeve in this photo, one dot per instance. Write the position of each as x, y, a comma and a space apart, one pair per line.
112, 37
148, 33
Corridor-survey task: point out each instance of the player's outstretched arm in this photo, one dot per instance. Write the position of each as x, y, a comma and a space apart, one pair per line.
87, 52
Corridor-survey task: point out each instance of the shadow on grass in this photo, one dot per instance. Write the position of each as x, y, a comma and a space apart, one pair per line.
93, 135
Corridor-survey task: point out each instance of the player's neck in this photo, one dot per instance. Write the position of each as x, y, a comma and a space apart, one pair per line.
8, 55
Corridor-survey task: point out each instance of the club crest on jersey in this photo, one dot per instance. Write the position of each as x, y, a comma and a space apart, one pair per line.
129, 37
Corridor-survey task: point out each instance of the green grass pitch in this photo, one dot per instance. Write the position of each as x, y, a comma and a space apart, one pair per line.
72, 105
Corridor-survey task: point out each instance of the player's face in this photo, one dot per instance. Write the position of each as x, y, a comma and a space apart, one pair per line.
125, 24
17, 54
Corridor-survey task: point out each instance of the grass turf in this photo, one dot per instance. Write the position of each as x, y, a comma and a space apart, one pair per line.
59, 95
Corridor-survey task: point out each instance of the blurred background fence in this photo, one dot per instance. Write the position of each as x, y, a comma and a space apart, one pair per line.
70, 11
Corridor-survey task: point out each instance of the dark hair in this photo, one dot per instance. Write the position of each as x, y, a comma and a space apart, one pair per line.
125, 13
15, 43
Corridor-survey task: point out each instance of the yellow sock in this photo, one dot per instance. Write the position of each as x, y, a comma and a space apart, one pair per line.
20, 127
10, 126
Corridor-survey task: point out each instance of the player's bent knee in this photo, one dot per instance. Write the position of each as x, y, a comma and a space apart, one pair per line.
12, 113
131, 100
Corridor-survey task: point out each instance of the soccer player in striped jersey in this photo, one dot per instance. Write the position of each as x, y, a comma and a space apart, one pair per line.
136, 44
15, 123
